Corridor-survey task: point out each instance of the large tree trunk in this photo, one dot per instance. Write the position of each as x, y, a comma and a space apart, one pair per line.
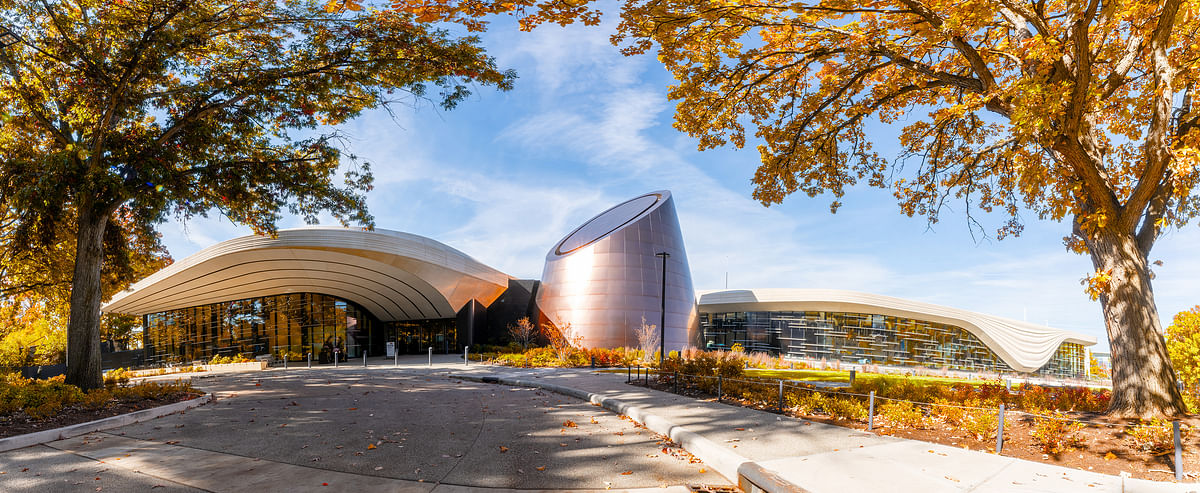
1143, 379
83, 328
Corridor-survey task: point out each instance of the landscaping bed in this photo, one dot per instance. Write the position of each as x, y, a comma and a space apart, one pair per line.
28, 406
1098, 443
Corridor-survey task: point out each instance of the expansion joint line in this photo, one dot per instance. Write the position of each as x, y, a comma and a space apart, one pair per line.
483, 408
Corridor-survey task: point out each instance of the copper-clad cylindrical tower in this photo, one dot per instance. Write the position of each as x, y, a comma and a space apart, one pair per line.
604, 277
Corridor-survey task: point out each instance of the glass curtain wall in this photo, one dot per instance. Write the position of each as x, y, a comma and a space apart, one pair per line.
288, 326
869, 339
417, 336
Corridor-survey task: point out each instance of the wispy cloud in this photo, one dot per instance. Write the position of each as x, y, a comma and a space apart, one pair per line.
505, 176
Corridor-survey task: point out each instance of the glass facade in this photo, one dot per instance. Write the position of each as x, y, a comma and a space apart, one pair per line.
291, 326
870, 339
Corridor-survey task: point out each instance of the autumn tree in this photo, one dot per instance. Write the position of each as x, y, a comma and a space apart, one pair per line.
35, 286
522, 332
1183, 344
1080, 112
153, 109
647, 337
563, 340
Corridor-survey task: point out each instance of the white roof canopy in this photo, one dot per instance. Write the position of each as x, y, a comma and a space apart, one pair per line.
394, 275
1024, 346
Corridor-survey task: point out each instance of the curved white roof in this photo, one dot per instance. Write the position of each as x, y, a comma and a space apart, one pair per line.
394, 275
1024, 346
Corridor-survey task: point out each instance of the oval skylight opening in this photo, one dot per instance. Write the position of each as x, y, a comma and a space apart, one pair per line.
607, 222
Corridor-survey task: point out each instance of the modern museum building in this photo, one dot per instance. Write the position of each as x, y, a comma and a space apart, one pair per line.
347, 293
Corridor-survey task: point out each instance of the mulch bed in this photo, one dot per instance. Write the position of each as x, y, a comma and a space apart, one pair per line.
19, 423
1106, 448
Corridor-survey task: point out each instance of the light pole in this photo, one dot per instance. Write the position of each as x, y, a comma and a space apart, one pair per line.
7, 37
662, 321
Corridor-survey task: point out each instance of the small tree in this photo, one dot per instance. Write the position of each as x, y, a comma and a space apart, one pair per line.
562, 339
647, 337
522, 332
1183, 345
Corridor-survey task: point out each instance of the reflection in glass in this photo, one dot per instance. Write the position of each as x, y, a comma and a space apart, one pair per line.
869, 339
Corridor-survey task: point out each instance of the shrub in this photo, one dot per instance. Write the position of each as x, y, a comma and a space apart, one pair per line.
805, 402
845, 408
949, 413
1155, 436
902, 414
40, 399
119, 376
1056, 433
224, 360
980, 423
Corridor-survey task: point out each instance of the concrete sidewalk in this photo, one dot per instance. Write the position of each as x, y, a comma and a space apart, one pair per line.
767, 451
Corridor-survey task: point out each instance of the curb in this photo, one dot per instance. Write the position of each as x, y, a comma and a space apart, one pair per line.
40, 437
748, 475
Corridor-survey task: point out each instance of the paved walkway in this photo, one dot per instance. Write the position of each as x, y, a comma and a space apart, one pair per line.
356, 429
823, 458
240, 444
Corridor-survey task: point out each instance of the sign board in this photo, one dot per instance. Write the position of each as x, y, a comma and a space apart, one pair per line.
391, 349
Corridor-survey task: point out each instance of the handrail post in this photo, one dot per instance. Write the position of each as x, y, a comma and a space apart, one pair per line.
1000, 431
781, 396
871, 411
1178, 452
720, 380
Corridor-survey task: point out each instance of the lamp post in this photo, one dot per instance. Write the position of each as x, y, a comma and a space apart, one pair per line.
7, 37
662, 321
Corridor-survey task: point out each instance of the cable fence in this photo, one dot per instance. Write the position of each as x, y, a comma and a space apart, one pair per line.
984, 416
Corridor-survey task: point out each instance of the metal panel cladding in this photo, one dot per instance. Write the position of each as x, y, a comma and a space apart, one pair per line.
604, 277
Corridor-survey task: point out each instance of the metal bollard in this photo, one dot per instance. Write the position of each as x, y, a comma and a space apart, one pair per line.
430, 355
780, 396
309, 359
396, 354
335, 358
720, 379
1000, 431
1178, 452
466, 356
852, 374
871, 410
364, 359
285, 362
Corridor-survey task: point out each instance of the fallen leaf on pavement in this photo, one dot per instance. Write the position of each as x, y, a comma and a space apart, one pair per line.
503, 449
541, 468
370, 446
626, 473
569, 424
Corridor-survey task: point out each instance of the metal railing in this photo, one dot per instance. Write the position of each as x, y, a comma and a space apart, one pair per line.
752, 390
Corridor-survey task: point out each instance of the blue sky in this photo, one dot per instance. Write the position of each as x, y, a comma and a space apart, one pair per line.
506, 175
